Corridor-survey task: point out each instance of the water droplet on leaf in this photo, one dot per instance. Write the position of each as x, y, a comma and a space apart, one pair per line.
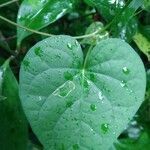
92, 77
123, 84
68, 104
76, 43
38, 51
125, 70
100, 96
69, 45
26, 64
93, 107
40, 98
68, 76
105, 127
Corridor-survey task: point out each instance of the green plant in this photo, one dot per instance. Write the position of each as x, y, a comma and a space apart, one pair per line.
78, 91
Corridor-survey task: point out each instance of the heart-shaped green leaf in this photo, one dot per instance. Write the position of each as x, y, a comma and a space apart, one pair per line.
36, 14
77, 103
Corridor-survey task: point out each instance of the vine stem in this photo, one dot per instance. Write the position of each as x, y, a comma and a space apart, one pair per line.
7, 3
94, 33
25, 28
49, 35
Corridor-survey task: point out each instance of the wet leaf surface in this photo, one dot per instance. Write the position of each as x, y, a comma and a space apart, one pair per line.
80, 104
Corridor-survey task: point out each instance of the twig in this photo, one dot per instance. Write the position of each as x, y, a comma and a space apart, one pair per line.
8, 3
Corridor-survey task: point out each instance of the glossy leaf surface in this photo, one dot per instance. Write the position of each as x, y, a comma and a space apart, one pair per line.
36, 14
124, 23
77, 103
107, 8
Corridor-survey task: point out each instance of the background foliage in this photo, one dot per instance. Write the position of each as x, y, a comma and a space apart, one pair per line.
127, 20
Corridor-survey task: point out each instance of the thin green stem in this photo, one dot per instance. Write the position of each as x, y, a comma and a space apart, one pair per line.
137, 13
23, 27
8, 3
49, 35
94, 33
76, 37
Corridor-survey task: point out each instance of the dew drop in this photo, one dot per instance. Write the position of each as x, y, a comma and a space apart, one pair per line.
105, 127
40, 98
38, 51
86, 84
68, 104
123, 84
92, 77
125, 70
100, 96
69, 45
76, 43
93, 107
130, 91
75, 147
68, 76
26, 64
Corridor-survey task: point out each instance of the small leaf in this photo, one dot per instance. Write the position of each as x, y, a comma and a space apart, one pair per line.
97, 37
125, 24
146, 5
143, 43
38, 14
107, 8
145, 30
125, 29
13, 127
142, 143
77, 103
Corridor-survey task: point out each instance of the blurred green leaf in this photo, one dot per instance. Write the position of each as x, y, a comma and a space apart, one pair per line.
1, 60
107, 8
38, 14
13, 125
3, 43
125, 30
97, 37
143, 143
146, 5
148, 79
125, 24
145, 30
143, 43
